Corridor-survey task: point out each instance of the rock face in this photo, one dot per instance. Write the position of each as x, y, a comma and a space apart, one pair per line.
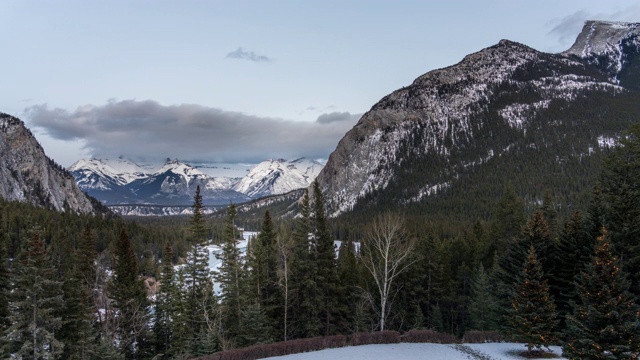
28, 175
509, 101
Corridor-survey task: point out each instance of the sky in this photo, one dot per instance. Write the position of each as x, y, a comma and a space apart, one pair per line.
243, 81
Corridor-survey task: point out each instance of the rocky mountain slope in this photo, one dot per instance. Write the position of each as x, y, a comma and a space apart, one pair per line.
28, 175
451, 140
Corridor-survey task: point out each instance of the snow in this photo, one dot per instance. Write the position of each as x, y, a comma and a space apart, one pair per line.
279, 176
410, 351
121, 170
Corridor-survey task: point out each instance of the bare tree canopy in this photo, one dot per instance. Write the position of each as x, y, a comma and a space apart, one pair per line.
387, 251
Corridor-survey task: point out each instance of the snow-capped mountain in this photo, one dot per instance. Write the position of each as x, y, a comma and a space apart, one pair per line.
106, 174
28, 175
506, 114
129, 186
279, 176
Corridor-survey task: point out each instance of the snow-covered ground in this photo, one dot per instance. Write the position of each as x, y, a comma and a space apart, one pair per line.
408, 351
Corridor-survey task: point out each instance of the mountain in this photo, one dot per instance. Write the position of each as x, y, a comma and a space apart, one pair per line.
117, 182
28, 175
131, 189
446, 145
273, 177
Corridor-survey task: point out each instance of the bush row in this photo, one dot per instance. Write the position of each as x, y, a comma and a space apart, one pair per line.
336, 341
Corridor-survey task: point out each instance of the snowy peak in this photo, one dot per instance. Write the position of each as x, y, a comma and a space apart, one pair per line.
278, 177
186, 171
610, 45
120, 171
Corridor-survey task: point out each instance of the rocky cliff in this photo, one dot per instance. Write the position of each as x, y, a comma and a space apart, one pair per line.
28, 175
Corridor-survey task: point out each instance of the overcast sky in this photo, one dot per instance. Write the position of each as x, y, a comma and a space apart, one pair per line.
243, 81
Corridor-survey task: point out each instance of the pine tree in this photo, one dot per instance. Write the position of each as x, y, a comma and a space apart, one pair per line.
166, 306
605, 323
262, 262
5, 288
129, 299
621, 189
77, 333
197, 276
533, 312
574, 252
305, 293
324, 251
348, 280
255, 328
231, 278
483, 306
36, 299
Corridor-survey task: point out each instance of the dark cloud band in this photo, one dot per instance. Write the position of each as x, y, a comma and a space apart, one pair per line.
149, 130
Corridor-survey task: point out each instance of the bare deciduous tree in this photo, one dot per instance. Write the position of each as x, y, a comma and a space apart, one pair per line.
387, 251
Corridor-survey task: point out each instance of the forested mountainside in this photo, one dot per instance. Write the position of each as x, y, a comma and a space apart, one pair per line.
448, 144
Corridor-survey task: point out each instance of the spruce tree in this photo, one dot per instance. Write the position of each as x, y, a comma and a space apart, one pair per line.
483, 306
36, 302
533, 311
574, 252
197, 276
129, 296
78, 333
166, 306
255, 327
605, 323
5, 288
348, 280
231, 278
621, 189
305, 319
324, 251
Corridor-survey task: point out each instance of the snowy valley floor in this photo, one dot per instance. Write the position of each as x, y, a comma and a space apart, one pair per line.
410, 351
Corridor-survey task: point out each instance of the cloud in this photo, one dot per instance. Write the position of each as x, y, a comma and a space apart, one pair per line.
568, 28
247, 55
147, 130
337, 117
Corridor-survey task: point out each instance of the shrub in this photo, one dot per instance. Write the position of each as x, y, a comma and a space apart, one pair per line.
473, 336
429, 336
279, 348
379, 337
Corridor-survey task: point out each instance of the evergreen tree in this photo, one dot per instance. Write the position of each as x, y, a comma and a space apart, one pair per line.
231, 278
483, 306
197, 276
166, 306
621, 189
255, 328
5, 288
533, 314
348, 280
129, 296
508, 218
605, 323
574, 252
36, 299
305, 293
78, 333
324, 252
262, 262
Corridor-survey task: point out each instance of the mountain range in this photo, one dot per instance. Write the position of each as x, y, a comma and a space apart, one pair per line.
126, 186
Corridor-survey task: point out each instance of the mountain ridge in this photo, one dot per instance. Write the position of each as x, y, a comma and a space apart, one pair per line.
428, 138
